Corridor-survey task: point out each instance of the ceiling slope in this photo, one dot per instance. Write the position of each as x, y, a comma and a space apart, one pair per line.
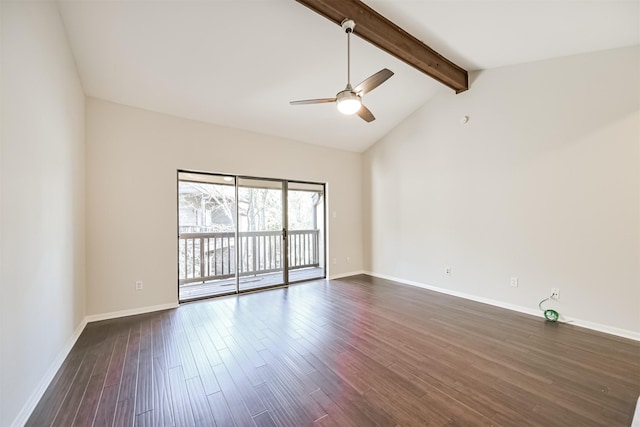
239, 63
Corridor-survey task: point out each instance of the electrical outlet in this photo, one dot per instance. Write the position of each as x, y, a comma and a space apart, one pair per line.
335, 261
139, 285
447, 271
514, 282
555, 293
348, 260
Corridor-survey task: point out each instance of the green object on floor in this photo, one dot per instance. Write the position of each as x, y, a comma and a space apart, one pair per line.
550, 315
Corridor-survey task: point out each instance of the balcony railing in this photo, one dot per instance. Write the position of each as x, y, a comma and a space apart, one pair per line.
211, 256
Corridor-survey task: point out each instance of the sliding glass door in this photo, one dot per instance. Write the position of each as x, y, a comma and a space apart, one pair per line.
206, 235
240, 234
305, 219
261, 242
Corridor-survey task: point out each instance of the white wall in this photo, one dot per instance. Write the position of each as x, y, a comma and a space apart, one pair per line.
132, 159
542, 183
42, 193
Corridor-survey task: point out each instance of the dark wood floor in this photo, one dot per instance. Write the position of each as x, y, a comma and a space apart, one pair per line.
350, 352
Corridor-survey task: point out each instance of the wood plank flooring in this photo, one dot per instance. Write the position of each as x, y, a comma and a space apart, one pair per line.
352, 352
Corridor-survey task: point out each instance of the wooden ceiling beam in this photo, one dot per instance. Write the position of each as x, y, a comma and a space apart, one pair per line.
379, 31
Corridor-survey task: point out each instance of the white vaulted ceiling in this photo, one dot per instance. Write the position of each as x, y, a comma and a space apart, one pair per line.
238, 63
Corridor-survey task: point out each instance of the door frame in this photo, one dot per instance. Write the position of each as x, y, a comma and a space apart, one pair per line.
285, 242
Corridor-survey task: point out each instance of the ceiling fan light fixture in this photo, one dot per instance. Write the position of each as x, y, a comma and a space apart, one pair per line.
348, 102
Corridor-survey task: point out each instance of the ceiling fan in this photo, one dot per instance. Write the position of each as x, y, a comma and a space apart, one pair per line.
349, 100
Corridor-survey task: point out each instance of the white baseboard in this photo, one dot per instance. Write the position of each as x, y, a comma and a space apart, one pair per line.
527, 310
130, 312
340, 276
24, 414
624, 333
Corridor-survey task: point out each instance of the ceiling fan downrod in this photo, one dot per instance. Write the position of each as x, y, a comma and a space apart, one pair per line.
348, 25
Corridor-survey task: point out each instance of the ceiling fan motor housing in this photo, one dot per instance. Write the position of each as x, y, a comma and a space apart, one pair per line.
347, 94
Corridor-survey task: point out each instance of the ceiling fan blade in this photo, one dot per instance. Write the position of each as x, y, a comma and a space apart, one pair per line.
365, 114
373, 81
313, 101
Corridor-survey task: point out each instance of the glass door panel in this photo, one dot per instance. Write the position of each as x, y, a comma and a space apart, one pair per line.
305, 208
261, 245
232, 237
206, 235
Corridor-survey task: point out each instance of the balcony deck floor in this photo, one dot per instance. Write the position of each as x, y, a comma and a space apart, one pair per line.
218, 287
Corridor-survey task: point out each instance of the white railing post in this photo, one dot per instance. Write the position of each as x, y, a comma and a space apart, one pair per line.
255, 257
202, 257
